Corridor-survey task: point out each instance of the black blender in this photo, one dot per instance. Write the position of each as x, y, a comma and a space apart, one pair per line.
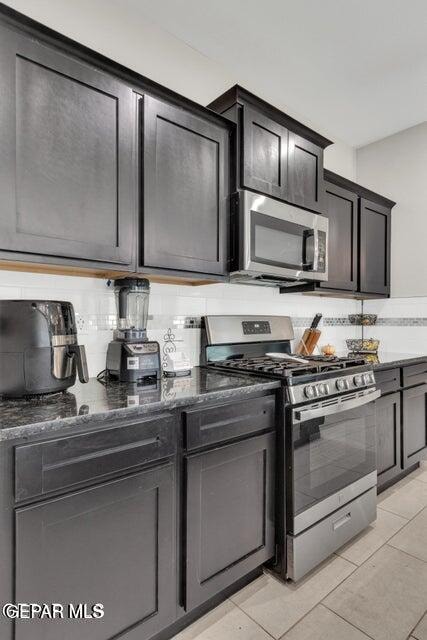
131, 356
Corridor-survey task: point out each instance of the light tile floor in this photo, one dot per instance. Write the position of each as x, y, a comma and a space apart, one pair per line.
374, 587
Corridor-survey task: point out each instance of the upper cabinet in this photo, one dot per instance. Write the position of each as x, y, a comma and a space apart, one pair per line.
275, 155
66, 173
341, 207
103, 171
264, 154
375, 237
359, 241
185, 190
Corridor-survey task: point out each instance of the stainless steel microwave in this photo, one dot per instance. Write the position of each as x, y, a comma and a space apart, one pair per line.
276, 244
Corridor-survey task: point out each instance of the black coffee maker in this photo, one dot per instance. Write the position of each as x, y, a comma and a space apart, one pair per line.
39, 352
130, 355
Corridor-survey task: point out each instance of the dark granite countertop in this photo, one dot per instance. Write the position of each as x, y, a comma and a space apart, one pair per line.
388, 360
94, 403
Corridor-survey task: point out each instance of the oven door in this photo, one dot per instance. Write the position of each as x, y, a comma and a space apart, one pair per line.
333, 457
282, 240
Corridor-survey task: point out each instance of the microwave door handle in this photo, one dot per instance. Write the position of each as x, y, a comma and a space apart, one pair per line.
316, 251
343, 405
308, 233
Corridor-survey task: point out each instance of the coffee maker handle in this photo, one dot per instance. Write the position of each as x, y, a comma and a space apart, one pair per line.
80, 354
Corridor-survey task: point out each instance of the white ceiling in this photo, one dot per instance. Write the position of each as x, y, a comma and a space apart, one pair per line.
355, 69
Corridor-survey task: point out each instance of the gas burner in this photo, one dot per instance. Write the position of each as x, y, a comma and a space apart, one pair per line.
288, 368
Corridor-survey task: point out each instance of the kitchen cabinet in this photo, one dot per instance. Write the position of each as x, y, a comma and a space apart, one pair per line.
388, 429
359, 242
375, 247
114, 544
341, 210
305, 162
66, 171
103, 171
185, 190
414, 425
401, 420
275, 154
229, 515
265, 154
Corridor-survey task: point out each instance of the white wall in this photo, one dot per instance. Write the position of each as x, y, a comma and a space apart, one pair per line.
397, 167
341, 158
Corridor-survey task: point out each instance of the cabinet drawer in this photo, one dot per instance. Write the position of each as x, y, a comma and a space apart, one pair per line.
388, 381
414, 374
50, 466
223, 422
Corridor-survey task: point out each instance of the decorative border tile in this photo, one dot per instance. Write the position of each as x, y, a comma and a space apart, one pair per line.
107, 322
402, 322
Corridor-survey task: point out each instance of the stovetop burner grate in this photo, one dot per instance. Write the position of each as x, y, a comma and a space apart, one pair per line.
287, 368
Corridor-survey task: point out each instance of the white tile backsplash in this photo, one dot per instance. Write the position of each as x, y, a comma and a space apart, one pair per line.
95, 309
404, 337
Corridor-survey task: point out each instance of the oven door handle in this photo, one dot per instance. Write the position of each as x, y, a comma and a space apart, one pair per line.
341, 405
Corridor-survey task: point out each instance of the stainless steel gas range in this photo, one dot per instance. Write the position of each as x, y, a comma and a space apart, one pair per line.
326, 462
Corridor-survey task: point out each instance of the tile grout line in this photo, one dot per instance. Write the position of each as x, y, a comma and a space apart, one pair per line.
309, 611
347, 621
406, 553
253, 619
413, 629
398, 514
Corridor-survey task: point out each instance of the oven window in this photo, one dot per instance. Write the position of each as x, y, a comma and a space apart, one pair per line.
331, 453
280, 242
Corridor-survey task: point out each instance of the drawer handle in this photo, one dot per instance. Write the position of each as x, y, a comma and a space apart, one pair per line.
339, 523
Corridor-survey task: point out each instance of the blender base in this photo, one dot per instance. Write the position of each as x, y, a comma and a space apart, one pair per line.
133, 361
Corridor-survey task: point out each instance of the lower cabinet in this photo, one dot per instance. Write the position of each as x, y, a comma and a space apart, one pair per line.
388, 424
414, 425
112, 544
229, 515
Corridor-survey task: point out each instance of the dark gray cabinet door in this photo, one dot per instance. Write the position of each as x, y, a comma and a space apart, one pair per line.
388, 426
375, 237
341, 209
414, 425
112, 544
186, 182
66, 176
265, 154
305, 174
230, 519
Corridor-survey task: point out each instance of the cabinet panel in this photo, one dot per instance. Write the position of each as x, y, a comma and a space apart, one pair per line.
112, 544
375, 229
414, 425
341, 209
388, 425
185, 190
67, 185
230, 519
305, 171
414, 374
57, 464
221, 423
265, 154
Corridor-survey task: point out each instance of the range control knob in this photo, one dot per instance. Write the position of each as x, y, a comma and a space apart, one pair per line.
341, 384
358, 380
310, 391
323, 389
368, 378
